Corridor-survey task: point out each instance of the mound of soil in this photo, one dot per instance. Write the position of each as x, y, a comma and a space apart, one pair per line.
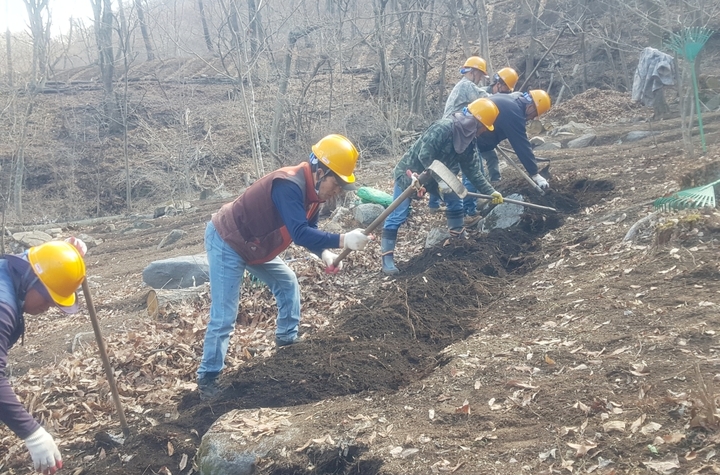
594, 107
382, 344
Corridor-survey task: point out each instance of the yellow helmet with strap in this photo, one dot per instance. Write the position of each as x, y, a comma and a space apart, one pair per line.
60, 268
509, 76
338, 154
485, 111
541, 100
475, 62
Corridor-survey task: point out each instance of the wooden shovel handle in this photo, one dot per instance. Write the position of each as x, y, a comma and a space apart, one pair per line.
423, 178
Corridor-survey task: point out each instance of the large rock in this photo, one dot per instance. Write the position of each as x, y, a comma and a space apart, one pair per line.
177, 272
549, 146
636, 135
582, 141
366, 213
237, 441
31, 238
436, 236
571, 128
505, 215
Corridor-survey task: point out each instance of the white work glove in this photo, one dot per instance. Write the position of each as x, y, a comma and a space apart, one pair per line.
444, 188
541, 182
328, 258
79, 245
44, 452
355, 240
497, 198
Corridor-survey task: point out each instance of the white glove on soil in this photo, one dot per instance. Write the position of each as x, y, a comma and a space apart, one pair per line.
44, 452
355, 240
541, 182
328, 258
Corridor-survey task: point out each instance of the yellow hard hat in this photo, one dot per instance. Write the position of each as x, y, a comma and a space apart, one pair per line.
541, 100
60, 268
338, 154
485, 111
475, 62
509, 76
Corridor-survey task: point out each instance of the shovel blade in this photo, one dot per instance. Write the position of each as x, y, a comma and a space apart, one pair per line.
441, 172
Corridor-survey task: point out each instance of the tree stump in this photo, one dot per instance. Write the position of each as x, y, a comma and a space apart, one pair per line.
161, 302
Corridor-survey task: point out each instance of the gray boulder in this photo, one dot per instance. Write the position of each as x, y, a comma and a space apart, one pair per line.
549, 146
366, 213
582, 141
571, 128
177, 272
636, 135
232, 447
504, 216
436, 236
31, 238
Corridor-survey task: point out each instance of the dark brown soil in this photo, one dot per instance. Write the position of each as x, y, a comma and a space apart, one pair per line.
381, 345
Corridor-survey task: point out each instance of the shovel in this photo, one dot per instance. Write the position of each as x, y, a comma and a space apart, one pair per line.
441, 172
521, 172
421, 180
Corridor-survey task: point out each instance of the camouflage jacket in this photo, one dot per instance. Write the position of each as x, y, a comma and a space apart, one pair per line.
436, 143
464, 92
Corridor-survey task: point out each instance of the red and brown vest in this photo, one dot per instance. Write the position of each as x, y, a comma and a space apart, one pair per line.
252, 225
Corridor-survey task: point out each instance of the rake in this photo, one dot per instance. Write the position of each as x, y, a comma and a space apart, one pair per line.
699, 197
688, 44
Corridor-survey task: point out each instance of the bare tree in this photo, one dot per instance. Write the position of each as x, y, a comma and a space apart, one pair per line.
39, 19
206, 31
144, 29
102, 10
8, 47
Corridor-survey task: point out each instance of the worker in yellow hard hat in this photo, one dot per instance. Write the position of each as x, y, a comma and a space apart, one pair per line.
515, 110
467, 90
474, 71
503, 81
250, 233
448, 140
42, 277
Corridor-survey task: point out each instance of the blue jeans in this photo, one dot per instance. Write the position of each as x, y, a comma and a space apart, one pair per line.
433, 200
227, 269
469, 203
399, 215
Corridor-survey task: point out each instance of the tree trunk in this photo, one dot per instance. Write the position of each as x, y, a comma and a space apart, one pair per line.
206, 31
452, 6
257, 34
484, 35
103, 34
8, 47
124, 45
20, 160
160, 302
144, 29
37, 11
293, 37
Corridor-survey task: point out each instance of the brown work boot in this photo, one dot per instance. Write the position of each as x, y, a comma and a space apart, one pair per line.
471, 221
